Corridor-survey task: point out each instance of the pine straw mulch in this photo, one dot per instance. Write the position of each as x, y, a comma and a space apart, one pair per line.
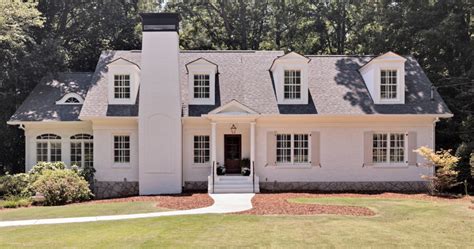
177, 202
278, 204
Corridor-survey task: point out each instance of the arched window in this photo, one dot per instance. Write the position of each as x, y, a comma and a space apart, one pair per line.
70, 99
48, 148
82, 150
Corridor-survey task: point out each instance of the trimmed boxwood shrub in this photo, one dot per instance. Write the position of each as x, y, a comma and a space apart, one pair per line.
61, 187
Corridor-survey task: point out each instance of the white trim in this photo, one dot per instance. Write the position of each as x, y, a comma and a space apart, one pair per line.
387, 163
235, 104
121, 164
62, 101
204, 67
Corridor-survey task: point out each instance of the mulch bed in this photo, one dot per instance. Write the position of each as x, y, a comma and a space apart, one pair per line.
178, 202
277, 204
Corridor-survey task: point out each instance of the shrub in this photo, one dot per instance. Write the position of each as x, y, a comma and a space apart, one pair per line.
13, 185
16, 201
40, 167
61, 187
445, 176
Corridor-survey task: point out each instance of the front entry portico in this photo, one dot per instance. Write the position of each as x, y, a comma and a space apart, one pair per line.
230, 146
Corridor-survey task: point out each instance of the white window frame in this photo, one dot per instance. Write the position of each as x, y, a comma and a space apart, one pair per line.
388, 161
201, 86
212, 87
121, 89
82, 142
292, 84
292, 162
49, 142
202, 66
202, 150
388, 85
120, 163
122, 67
63, 100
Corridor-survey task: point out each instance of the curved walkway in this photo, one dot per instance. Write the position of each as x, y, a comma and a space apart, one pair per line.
223, 203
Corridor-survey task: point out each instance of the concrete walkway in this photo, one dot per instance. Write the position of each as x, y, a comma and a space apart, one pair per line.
223, 203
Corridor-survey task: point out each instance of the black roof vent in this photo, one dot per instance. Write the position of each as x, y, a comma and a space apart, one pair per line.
159, 22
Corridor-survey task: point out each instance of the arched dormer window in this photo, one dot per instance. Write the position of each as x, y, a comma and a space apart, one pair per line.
48, 148
70, 99
82, 150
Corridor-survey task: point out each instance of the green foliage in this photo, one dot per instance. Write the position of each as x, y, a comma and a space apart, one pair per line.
16, 201
445, 176
41, 39
14, 185
61, 187
41, 167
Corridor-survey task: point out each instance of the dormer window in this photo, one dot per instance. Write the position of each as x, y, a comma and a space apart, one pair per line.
290, 74
202, 88
292, 84
202, 82
384, 77
70, 99
122, 86
123, 82
388, 84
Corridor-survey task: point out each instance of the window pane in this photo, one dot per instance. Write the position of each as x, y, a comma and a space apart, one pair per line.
379, 151
41, 152
76, 154
292, 84
300, 146
122, 86
201, 87
201, 149
122, 149
397, 148
388, 84
283, 148
55, 151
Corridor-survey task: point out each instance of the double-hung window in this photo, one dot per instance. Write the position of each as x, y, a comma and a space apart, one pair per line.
48, 148
292, 84
122, 149
388, 148
122, 86
82, 150
292, 148
388, 84
202, 87
201, 149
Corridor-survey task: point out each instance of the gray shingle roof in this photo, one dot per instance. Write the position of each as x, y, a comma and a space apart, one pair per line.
335, 87
40, 105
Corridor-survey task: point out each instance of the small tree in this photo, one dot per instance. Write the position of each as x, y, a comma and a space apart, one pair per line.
444, 164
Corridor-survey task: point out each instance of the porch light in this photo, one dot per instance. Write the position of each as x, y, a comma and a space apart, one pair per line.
233, 128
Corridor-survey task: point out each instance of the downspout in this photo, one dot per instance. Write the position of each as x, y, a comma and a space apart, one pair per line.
436, 120
182, 153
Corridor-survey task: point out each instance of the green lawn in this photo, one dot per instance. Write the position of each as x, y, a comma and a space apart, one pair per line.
76, 210
398, 223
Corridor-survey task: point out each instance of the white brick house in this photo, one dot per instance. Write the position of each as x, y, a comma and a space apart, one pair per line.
161, 119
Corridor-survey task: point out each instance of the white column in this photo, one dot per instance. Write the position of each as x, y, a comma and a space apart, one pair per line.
252, 146
214, 146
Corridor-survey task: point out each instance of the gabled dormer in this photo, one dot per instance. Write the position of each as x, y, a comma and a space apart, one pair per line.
384, 77
123, 82
202, 82
290, 75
